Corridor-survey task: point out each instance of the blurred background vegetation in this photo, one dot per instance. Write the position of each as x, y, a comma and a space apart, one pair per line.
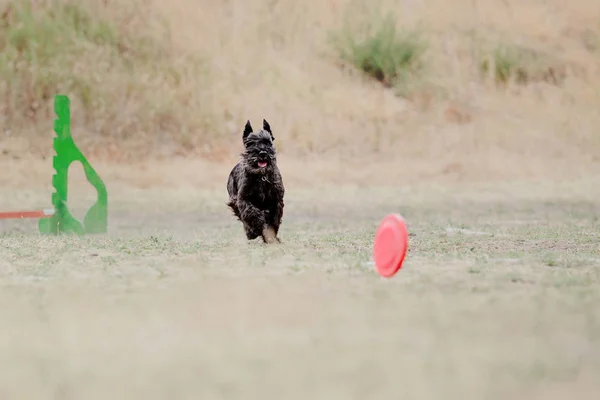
484, 81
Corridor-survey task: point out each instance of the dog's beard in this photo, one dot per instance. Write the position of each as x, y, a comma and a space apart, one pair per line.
256, 165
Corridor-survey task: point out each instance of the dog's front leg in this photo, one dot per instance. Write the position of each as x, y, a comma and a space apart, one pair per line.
275, 215
252, 219
269, 235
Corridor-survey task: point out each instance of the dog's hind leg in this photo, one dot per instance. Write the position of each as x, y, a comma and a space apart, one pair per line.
232, 204
250, 234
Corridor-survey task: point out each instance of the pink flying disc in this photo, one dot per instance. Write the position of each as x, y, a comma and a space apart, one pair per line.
391, 244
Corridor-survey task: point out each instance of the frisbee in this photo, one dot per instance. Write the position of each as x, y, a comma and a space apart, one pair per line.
390, 246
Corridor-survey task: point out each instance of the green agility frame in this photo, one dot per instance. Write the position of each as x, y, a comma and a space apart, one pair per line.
59, 219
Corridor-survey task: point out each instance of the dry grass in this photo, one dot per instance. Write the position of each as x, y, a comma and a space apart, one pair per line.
112, 58
213, 65
497, 299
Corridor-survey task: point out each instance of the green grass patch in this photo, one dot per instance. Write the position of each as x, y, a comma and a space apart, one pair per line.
521, 65
383, 50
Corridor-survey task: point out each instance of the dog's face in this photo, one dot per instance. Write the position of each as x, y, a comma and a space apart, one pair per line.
259, 152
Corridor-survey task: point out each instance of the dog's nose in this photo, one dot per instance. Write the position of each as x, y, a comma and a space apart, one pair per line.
262, 153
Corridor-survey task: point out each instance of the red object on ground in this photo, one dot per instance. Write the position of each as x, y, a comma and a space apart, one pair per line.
391, 244
26, 214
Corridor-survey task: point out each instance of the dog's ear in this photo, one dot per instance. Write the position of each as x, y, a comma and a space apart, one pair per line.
247, 130
267, 128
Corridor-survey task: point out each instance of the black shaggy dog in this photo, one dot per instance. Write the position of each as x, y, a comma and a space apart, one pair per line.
255, 186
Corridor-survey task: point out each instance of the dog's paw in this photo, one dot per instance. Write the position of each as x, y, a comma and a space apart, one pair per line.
269, 235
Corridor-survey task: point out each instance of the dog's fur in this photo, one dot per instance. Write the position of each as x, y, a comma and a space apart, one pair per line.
255, 192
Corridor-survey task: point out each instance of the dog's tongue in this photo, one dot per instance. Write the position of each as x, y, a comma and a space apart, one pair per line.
262, 164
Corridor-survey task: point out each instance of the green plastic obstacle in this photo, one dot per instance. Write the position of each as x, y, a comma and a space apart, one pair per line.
62, 221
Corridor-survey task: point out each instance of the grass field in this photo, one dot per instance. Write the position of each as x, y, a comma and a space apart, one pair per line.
498, 298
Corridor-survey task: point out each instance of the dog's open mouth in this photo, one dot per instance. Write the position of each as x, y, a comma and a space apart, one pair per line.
262, 164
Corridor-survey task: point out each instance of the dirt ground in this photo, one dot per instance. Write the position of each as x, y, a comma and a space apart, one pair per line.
498, 297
